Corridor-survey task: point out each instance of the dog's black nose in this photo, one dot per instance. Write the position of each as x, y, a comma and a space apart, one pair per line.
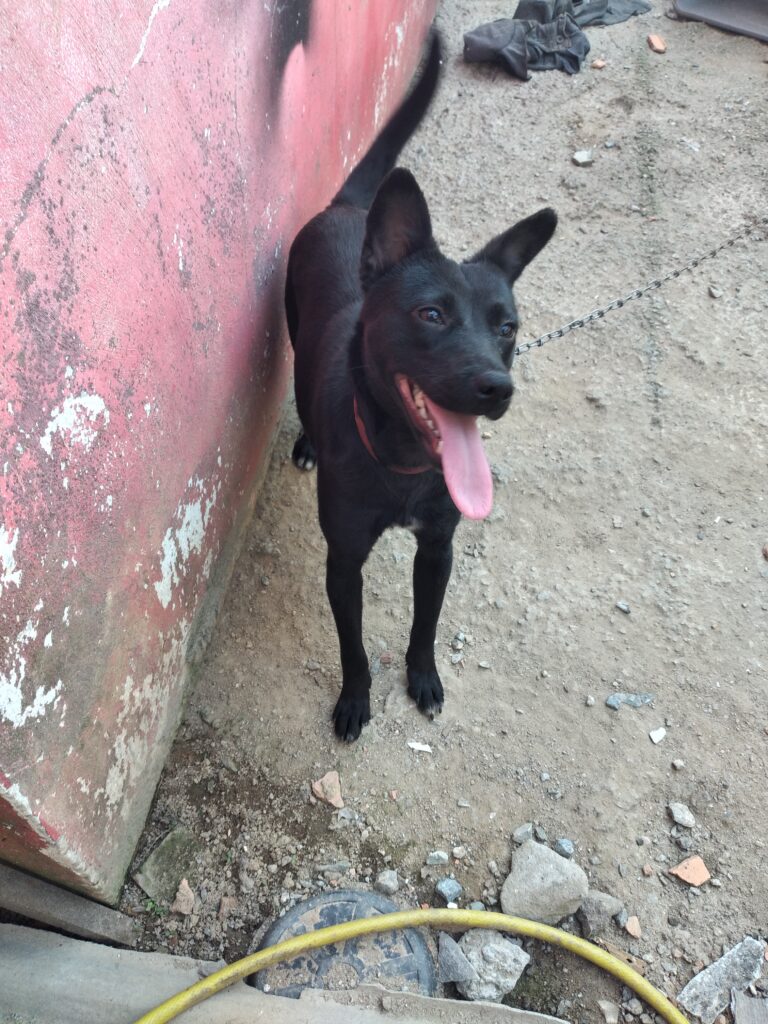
493, 390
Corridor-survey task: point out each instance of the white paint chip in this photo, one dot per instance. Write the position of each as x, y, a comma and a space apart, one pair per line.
9, 573
183, 540
79, 417
12, 680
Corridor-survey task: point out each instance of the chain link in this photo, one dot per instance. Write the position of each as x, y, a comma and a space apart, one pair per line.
638, 293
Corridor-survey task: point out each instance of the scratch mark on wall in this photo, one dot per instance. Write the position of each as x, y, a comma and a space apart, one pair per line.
78, 416
160, 5
34, 185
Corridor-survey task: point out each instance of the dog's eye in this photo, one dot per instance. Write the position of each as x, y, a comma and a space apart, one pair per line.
507, 330
430, 315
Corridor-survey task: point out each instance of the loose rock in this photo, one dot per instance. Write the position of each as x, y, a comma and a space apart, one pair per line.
449, 889
497, 962
583, 158
523, 833
681, 815
709, 993
542, 886
185, 899
328, 789
453, 964
422, 748
632, 927
387, 882
609, 1010
630, 700
564, 848
692, 870
596, 911
657, 735
437, 857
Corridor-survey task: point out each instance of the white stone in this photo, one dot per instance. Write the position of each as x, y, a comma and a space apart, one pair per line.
542, 886
497, 962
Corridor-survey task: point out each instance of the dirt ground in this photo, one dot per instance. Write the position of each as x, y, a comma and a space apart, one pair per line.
631, 469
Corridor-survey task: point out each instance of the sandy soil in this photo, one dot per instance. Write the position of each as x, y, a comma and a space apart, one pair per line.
631, 468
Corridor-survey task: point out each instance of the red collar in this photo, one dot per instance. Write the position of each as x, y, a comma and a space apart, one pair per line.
409, 470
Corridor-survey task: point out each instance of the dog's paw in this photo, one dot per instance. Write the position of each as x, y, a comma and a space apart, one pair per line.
304, 455
350, 715
427, 690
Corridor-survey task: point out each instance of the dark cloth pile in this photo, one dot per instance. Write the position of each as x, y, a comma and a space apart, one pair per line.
545, 34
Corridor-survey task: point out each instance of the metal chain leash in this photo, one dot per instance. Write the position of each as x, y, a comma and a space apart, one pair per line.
638, 293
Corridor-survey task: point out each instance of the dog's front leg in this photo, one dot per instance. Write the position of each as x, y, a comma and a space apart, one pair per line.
431, 572
344, 583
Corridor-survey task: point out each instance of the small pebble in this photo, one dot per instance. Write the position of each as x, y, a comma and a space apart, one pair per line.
583, 158
449, 889
437, 857
657, 735
681, 815
632, 927
623, 607
387, 882
459, 852
565, 848
590, 701
678, 764
523, 833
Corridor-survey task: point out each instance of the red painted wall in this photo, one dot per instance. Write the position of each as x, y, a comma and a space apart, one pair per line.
157, 159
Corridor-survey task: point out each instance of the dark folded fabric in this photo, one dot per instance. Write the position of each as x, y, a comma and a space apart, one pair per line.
607, 12
526, 45
545, 34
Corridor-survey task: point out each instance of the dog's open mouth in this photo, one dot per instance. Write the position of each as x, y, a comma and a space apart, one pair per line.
452, 440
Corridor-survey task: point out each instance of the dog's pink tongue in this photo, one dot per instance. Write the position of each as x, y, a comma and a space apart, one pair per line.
465, 467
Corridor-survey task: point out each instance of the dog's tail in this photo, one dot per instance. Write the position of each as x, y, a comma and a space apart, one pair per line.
360, 187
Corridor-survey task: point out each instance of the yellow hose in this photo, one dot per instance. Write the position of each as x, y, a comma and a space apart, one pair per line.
443, 919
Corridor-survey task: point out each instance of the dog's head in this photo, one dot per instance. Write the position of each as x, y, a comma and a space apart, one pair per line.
439, 336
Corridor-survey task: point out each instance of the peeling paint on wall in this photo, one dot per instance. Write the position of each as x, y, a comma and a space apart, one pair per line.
8, 571
181, 541
143, 335
12, 679
78, 416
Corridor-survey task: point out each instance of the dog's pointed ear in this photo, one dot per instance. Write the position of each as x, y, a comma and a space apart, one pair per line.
513, 250
398, 225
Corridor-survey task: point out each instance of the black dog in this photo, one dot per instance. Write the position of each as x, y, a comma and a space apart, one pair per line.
398, 350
